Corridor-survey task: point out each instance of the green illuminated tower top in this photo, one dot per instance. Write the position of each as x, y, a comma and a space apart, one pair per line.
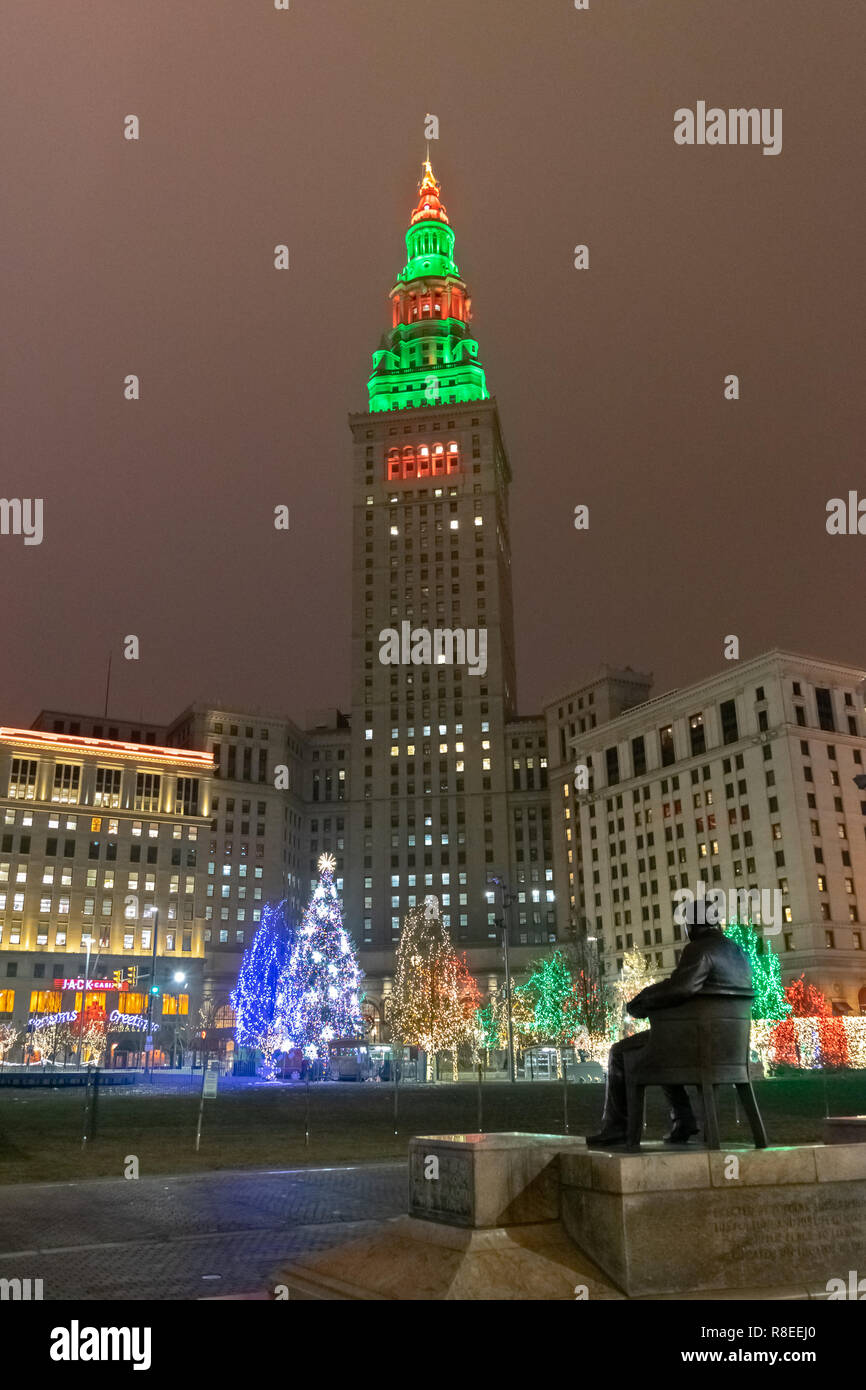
429, 356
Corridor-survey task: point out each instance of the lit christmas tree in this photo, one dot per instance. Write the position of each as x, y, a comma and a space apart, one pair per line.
433, 1002
548, 998
634, 976
320, 993
770, 1000
549, 993
812, 1035
255, 998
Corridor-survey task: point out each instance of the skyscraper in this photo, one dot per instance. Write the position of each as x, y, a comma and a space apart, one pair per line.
431, 554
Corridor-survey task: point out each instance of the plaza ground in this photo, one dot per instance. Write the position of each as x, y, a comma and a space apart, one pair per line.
200, 1236
257, 1125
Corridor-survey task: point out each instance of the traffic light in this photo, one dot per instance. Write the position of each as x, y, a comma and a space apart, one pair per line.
118, 977
154, 989
132, 974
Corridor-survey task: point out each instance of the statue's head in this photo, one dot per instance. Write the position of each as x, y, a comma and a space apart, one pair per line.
698, 915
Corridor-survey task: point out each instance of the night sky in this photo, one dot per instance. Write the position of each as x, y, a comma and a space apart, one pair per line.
707, 517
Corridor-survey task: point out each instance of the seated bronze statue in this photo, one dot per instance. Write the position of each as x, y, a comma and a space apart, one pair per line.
710, 964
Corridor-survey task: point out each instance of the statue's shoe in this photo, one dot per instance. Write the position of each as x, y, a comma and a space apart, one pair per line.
681, 1132
608, 1139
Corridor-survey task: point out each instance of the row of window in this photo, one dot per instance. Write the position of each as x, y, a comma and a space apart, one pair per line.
66, 787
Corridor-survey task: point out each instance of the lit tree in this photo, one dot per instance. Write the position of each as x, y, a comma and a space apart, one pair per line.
811, 1035
770, 1001
634, 976
487, 1027
92, 1029
254, 998
56, 1040
93, 1041
594, 1005
320, 992
570, 1003
432, 1005
469, 997
548, 993
9, 1035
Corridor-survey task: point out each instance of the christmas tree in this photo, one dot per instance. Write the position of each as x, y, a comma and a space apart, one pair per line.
769, 1001
634, 976
255, 997
433, 1002
549, 993
320, 993
811, 1035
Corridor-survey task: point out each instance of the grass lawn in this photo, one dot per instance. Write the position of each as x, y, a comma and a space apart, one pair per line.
263, 1126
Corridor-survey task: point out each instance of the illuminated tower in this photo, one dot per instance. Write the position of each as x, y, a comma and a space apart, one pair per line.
429, 356
431, 549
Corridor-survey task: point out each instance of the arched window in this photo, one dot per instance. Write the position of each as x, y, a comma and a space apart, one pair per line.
423, 461
408, 462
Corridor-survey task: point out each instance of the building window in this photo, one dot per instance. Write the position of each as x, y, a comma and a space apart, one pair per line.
147, 789
186, 797
697, 735
638, 753
612, 761
67, 779
666, 745
824, 702
107, 791
22, 779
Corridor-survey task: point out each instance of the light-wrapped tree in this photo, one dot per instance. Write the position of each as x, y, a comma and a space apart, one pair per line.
434, 999
255, 998
319, 999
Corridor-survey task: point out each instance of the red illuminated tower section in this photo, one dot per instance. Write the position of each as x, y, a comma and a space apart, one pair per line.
431, 550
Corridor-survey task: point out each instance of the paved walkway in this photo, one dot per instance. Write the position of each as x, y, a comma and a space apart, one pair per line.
186, 1237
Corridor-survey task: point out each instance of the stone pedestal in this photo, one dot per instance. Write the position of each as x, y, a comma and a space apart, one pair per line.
663, 1222
487, 1180
539, 1216
845, 1129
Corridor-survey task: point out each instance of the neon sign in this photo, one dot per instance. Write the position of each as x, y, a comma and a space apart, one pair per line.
52, 1020
81, 984
131, 1023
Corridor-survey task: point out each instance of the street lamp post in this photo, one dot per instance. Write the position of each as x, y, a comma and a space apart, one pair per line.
506, 901
182, 983
153, 913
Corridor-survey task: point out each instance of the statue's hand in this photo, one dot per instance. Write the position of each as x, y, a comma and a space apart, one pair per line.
635, 1006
